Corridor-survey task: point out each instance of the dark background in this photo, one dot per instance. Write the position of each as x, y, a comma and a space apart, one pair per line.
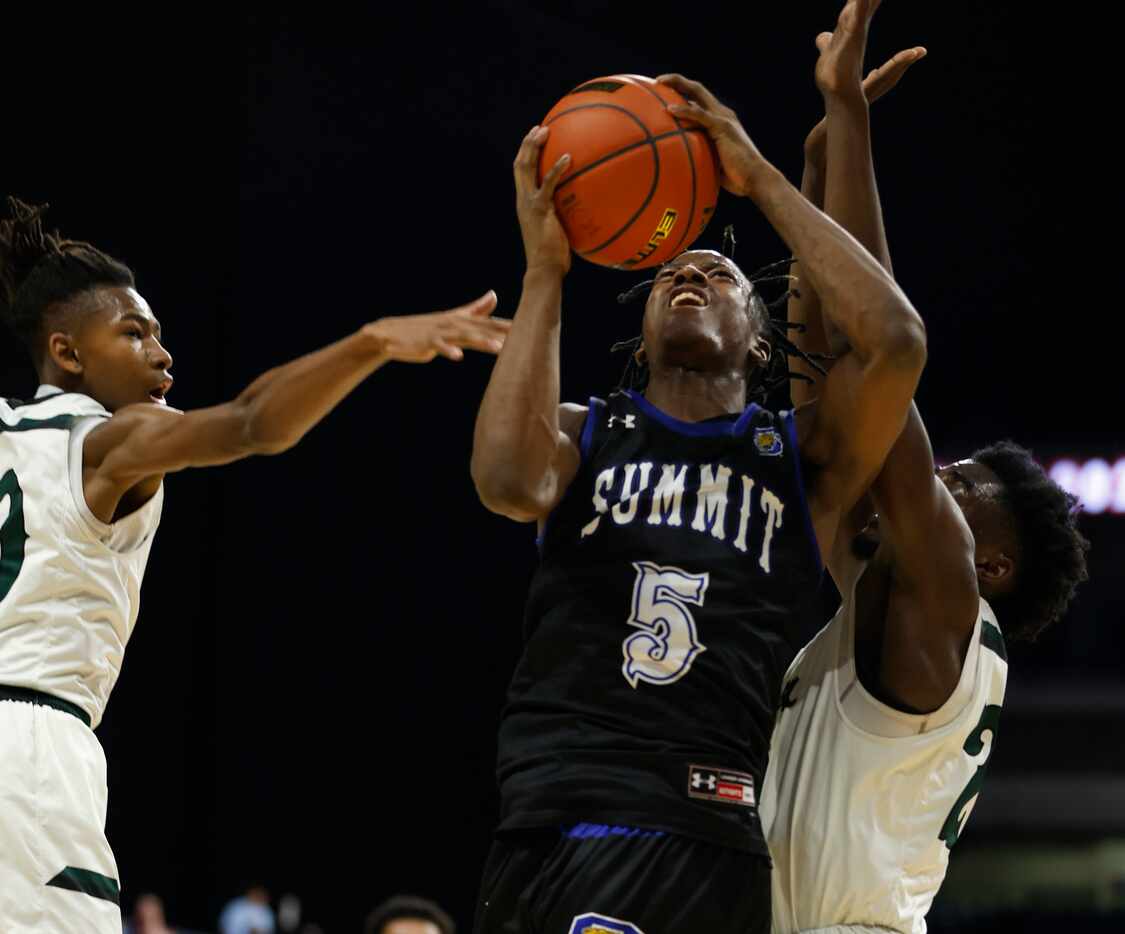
312, 691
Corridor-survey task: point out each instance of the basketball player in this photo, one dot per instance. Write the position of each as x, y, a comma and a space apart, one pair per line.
888, 716
81, 471
678, 537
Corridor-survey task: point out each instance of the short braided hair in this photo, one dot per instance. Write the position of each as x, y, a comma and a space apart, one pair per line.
40, 269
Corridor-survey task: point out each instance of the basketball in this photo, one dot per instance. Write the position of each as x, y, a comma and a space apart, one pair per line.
641, 184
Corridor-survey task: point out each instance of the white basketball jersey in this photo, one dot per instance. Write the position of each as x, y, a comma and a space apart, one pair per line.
861, 802
69, 583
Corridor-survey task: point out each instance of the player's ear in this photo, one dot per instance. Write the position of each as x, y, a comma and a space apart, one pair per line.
995, 569
760, 351
63, 352
640, 356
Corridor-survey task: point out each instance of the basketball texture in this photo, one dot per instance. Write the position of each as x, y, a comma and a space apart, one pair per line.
641, 185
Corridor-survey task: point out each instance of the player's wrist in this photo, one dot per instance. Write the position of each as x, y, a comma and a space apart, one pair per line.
759, 179
544, 273
847, 101
374, 340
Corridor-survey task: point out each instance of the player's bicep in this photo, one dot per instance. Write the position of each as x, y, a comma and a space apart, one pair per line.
932, 543
146, 440
860, 412
568, 457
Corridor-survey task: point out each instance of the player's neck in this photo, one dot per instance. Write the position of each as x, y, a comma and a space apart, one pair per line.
51, 375
695, 395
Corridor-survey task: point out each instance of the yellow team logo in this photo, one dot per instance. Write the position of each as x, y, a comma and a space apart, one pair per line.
663, 229
767, 441
594, 923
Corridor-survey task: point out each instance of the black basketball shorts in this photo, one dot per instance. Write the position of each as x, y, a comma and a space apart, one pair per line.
549, 882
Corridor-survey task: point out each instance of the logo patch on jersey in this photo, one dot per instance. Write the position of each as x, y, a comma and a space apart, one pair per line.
767, 441
629, 421
713, 784
600, 924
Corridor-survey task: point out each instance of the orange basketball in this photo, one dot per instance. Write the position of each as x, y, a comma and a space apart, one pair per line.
641, 185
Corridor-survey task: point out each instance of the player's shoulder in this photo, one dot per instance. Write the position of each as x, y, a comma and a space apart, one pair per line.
573, 412
580, 421
572, 419
57, 410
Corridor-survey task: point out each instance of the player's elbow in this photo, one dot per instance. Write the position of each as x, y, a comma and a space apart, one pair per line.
505, 492
902, 344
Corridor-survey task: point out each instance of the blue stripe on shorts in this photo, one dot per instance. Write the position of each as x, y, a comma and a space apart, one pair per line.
584, 831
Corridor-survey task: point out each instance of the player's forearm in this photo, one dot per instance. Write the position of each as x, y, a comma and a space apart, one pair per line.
848, 190
857, 294
516, 437
851, 196
804, 304
282, 404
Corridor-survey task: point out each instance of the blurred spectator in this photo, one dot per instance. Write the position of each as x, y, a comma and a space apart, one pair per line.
248, 914
148, 917
288, 913
407, 914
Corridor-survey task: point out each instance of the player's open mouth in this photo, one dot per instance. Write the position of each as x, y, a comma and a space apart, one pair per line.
689, 297
157, 395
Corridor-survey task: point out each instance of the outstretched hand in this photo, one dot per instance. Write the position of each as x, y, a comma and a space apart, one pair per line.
839, 70
420, 338
544, 241
877, 83
738, 156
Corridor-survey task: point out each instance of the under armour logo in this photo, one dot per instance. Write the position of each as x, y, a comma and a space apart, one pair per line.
629, 421
702, 780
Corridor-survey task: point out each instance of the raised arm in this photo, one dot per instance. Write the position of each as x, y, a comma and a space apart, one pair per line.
926, 540
804, 304
125, 458
524, 447
846, 434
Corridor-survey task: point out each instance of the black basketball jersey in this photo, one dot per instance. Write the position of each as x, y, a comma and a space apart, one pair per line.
656, 626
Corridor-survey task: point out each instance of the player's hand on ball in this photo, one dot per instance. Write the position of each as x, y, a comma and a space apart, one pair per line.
839, 70
544, 240
738, 155
877, 83
420, 338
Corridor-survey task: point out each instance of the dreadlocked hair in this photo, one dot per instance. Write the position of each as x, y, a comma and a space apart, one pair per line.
40, 269
764, 379
1052, 551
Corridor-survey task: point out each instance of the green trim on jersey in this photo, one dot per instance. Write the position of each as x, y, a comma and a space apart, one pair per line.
88, 882
65, 422
42, 699
992, 638
13, 533
50, 397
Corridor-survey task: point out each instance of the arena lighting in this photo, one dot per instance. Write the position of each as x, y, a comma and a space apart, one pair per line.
1099, 484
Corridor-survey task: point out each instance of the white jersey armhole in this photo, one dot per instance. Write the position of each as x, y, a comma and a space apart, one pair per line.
866, 713
126, 534
78, 432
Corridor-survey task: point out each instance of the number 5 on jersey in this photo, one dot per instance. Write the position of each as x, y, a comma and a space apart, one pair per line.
668, 643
